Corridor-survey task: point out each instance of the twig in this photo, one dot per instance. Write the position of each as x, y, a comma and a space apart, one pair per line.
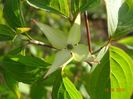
40, 43
108, 42
88, 31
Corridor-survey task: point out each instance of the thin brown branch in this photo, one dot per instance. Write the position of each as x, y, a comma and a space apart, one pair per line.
88, 31
35, 42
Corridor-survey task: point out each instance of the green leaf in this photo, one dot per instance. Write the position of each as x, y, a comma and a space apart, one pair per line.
112, 14
102, 52
64, 7
80, 52
120, 16
6, 93
70, 88
38, 91
61, 92
75, 33
29, 61
129, 52
58, 87
23, 70
56, 6
6, 33
12, 84
62, 58
113, 77
82, 5
128, 41
55, 36
16, 50
12, 13
64, 89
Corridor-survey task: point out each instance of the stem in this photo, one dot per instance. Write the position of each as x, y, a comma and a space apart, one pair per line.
23, 21
28, 36
88, 31
40, 43
108, 42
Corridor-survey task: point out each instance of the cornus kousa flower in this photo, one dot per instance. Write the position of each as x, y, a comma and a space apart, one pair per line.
69, 47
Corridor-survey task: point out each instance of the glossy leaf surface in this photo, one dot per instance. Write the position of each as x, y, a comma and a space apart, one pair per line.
113, 77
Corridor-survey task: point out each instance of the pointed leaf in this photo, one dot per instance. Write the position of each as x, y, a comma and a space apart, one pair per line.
62, 58
61, 92
82, 5
58, 87
112, 7
56, 6
75, 33
102, 52
64, 89
125, 22
119, 13
70, 88
23, 70
113, 77
55, 36
6, 33
29, 61
13, 14
80, 52
64, 7
128, 41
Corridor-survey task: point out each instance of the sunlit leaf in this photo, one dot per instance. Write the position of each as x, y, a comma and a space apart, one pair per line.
128, 41
55, 36
64, 89
70, 88
113, 77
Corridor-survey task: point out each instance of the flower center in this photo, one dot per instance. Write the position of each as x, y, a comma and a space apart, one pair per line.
69, 46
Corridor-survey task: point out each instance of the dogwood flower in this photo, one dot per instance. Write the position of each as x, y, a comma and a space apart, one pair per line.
69, 47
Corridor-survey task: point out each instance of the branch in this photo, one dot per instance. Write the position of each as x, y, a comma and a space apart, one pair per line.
88, 31
35, 42
106, 44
